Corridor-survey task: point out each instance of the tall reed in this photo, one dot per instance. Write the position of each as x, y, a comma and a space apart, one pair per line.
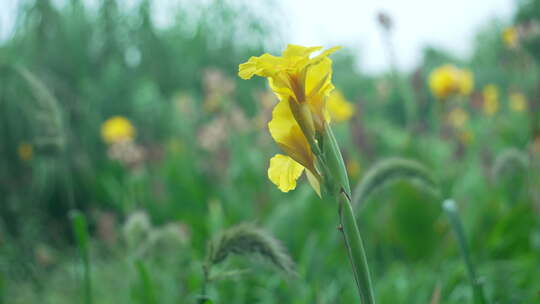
80, 228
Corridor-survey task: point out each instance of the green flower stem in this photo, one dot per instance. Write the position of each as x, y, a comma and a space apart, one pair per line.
410, 103
355, 249
338, 179
338, 189
450, 209
401, 83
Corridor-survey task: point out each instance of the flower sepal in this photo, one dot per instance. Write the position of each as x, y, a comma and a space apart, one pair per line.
335, 177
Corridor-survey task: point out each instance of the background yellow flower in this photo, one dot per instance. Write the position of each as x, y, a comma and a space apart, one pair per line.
448, 80
116, 129
466, 137
518, 102
442, 81
25, 151
466, 82
491, 99
458, 117
510, 37
353, 168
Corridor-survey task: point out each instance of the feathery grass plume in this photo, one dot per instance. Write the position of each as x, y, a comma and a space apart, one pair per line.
246, 239
509, 160
136, 229
243, 239
51, 136
391, 170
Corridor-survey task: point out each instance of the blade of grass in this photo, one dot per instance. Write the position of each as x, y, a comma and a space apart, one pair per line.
450, 209
2, 288
148, 294
80, 227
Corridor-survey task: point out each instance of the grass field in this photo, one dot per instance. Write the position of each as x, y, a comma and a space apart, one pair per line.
135, 162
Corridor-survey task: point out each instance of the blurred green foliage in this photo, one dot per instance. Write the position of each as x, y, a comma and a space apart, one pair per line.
198, 164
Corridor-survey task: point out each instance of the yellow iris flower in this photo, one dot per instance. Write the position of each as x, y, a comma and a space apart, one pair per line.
491, 99
117, 129
302, 83
518, 102
338, 107
448, 80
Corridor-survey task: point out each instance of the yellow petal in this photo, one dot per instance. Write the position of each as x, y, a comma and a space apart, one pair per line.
282, 121
338, 107
280, 87
323, 55
284, 172
318, 78
287, 133
265, 66
299, 51
247, 69
318, 87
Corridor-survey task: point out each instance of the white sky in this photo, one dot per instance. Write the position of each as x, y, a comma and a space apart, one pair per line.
450, 24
